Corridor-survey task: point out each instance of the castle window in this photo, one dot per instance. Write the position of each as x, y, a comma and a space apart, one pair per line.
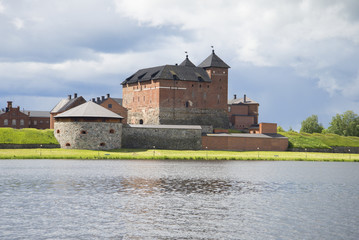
102, 144
224, 72
229, 109
35, 122
144, 98
187, 104
14, 122
207, 86
141, 121
6, 122
192, 85
22, 123
67, 144
58, 131
83, 132
200, 86
112, 131
109, 105
220, 80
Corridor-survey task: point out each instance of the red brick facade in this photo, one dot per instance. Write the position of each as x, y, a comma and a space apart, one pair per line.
244, 143
115, 107
179, 101
15, 118
243, 113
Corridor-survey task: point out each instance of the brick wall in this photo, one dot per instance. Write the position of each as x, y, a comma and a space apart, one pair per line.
226, 142
115, 107
267, 128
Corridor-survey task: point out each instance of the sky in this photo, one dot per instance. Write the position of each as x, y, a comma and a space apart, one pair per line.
296, 58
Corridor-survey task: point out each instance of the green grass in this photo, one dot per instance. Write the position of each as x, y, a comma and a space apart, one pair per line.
172, 155
27, 136
317, 140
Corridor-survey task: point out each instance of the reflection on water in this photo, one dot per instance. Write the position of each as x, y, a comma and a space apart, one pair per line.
178, 200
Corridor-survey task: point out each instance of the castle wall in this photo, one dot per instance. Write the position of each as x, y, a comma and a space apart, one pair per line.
245, 142
88, 135
162, 137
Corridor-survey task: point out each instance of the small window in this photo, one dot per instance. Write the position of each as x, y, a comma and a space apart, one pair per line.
57, 131
109, 105
192, 85
229, 109
141, 121
22, 123
102, 144
67, 144
83, 132
207, 86
187, 104
41, 121
200, 86
6, 122
112, 131
35, 122
14, 122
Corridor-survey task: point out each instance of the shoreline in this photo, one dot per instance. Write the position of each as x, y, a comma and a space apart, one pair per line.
159, 154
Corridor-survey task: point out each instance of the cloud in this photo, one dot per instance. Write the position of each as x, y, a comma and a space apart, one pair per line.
18, 23
2, 8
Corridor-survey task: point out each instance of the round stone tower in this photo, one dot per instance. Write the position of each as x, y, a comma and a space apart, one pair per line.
88, 126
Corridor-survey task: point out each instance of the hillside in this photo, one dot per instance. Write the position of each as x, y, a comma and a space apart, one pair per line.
318, 140
27, 136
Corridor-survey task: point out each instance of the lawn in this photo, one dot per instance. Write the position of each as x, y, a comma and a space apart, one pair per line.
172, 155
318, 140
27, 136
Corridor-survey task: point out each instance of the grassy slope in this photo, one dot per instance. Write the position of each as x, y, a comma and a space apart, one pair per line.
27, 136
172, 154
316, 140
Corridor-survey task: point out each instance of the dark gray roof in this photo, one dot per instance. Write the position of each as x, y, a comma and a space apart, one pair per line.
118, 100
89, 109
66, 104
213, 61
37, 113
187, 63
247, 135
169, 72
241, 101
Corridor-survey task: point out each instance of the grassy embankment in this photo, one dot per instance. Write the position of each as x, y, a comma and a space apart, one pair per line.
318, 140
172, 154
33, 136
27, 136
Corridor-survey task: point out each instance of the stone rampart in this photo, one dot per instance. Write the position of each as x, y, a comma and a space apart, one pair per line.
162, 137
88, 135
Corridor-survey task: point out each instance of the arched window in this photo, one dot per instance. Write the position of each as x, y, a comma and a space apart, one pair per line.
57, 131
141, 121
67, 144
112, 131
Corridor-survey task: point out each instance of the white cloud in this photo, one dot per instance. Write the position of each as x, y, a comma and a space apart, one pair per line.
2, 8
18, 23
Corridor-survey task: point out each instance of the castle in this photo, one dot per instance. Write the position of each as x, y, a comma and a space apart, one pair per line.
179, 94
169, 107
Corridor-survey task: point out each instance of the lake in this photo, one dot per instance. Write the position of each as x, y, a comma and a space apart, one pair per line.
148, 199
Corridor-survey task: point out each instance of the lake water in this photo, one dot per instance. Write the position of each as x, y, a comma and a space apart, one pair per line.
130, 199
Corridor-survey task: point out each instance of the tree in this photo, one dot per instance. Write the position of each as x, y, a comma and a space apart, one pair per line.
346, 124
311, 125
280, 129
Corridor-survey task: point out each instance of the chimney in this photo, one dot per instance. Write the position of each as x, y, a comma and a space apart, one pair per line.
245, 98
9, 104
108, 95
93, 99
69, 97
98, 99
235, 96
102, 98
75, 95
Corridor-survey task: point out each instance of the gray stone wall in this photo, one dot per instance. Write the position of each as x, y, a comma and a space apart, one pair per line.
162, 137
180, 116
88, 135
192, 116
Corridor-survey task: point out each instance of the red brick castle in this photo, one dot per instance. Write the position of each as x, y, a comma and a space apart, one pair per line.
179, 94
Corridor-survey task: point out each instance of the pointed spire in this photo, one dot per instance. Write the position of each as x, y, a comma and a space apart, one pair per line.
187, 62
213, 61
